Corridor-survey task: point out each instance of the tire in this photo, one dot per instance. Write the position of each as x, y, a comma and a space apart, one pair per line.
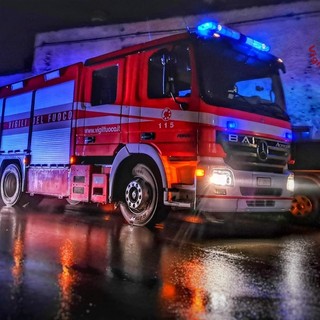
305, 208
141, 199
73, 203
11, 185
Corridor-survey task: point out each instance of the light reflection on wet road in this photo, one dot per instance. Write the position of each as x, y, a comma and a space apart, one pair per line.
85, 266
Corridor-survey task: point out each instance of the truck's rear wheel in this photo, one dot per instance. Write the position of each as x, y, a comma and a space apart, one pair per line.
141, 203
11, 185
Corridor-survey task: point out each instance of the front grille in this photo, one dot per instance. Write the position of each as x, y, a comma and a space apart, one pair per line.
260, 203
254, 154
248, 191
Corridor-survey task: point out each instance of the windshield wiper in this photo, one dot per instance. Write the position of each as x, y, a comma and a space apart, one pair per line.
245, 99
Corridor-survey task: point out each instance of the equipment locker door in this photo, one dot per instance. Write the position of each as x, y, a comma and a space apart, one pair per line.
98, 123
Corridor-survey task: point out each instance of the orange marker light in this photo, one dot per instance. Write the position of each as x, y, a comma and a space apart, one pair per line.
199, 172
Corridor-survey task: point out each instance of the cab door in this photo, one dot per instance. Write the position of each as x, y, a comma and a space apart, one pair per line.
169, 116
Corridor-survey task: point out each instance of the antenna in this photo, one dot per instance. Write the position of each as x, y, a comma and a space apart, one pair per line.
186, 24
148, 28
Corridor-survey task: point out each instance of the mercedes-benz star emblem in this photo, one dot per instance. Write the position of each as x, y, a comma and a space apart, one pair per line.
262, 150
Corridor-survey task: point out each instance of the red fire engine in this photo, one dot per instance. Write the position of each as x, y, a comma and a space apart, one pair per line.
195, 120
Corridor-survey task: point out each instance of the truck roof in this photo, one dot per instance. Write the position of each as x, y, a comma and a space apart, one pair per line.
136, 48
242, 44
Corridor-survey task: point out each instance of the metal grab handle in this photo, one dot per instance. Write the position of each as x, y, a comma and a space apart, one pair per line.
148, 135
89, 140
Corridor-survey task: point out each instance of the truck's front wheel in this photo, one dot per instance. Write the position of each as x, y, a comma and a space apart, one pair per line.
140, 205
305, 207
11, 185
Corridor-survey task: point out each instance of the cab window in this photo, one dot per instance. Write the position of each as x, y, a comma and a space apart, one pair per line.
169, 73
104, 86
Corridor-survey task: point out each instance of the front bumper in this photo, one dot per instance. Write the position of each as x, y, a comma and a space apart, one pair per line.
249, 192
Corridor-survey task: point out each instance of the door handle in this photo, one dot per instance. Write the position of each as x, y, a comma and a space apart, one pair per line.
148, 135
89, 140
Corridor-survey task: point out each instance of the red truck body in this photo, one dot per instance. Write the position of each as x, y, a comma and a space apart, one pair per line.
151, 126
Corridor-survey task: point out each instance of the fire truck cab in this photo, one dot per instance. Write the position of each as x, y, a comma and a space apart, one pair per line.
195, 120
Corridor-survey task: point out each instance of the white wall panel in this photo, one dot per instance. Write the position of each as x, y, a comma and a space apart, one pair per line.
16, 122
14, 142
16, 105
50, 142
51, 146
55, 95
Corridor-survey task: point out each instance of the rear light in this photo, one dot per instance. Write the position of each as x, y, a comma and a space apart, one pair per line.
26, 160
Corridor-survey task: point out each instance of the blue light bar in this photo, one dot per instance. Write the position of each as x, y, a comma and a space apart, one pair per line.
211, 28
228, 32
206, 27
256, 44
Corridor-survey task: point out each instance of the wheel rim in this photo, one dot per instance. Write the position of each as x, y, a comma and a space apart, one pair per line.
140, 197
10, 185
301, 206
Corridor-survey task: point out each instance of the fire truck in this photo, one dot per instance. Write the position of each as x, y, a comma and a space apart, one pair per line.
193, 121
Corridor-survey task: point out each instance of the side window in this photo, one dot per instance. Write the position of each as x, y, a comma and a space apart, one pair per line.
104, 86
169, 73
157, 75
183, 72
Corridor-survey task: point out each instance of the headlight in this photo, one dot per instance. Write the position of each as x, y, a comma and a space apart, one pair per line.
221, 177
290, 182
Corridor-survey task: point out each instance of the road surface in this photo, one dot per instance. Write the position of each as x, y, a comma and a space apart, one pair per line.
89, 265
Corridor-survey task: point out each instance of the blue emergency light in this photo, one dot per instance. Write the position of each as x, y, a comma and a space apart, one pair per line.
212, 28
288, 135
231, 124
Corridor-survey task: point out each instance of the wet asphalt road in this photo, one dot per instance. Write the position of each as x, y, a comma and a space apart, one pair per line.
89, 265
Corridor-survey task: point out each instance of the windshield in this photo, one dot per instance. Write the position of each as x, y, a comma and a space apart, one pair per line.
235, 78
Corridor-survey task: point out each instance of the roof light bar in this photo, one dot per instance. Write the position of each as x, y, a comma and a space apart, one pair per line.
211, 29
256, 44
228, 32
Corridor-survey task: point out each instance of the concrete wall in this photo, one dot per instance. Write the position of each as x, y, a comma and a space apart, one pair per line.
292, 31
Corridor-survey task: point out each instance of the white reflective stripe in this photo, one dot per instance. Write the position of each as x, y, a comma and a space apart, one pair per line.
105, 108
247, 125
139, 114
102, 120
178, 115
134, 111
135, 120
208, 118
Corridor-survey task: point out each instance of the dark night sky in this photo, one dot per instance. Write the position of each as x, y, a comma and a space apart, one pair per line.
20, 20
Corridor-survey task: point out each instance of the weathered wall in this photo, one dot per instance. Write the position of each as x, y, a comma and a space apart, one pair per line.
292, 31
